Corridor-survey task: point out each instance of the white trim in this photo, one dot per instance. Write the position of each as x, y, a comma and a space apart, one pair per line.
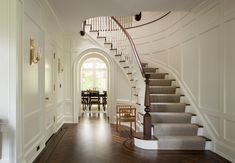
146, 144
92, 52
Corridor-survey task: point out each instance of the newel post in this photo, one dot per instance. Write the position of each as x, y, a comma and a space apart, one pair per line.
147, 116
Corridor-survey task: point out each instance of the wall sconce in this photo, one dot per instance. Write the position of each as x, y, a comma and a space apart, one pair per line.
60, 66
34, 56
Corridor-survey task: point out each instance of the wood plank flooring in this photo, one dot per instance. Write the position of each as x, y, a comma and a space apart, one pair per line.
94, 140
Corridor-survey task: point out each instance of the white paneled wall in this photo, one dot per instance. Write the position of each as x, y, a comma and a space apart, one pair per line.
198, 48
8, 82
41, 117
190, 61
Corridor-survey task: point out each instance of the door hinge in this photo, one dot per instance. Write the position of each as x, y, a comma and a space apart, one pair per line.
54, 55
54, 87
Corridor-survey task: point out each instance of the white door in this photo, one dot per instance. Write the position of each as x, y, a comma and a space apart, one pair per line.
50, 93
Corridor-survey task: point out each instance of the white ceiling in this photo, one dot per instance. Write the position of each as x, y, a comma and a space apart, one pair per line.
72, 12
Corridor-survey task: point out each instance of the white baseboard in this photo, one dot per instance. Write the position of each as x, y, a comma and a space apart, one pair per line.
68, 119
225, 151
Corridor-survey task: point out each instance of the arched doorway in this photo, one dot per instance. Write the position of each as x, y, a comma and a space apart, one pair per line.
94, 84
77, 65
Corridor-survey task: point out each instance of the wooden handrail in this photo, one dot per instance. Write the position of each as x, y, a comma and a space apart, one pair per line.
132, 45
150, 21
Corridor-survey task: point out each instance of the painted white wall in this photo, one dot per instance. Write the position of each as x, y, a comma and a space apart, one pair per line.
120, 88
198, 48
8, 80
40, 118
189, 44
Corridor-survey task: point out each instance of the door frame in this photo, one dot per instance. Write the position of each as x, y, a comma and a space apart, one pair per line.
93, 52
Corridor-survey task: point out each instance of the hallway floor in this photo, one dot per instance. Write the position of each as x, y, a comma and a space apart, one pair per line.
94, 140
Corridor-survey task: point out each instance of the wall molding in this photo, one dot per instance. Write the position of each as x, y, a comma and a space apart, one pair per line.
212, 18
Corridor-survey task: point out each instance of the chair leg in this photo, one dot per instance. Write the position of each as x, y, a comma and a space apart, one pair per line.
135, 126
130, 128
116, 124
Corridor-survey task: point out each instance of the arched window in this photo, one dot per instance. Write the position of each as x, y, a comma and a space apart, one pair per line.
94, 75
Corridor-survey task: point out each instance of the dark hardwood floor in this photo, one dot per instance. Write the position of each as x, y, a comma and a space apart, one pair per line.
94, 140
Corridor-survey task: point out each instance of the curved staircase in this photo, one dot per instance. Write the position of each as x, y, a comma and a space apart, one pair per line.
171, 123
174, 128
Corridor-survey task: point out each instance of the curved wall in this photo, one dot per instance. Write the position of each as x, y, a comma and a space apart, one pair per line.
197, 47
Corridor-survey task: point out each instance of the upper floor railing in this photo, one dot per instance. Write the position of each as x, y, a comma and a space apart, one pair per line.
115, 33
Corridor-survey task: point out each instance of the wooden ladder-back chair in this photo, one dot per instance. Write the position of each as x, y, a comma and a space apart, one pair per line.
94, 99
84, 99
125, 113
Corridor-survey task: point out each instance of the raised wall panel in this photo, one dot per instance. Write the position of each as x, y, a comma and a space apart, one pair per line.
214, 122
31, 83
140, 41
229, 8
190, 61
160, 56
32, 129
33, 9
209, 17
158, 43
68, 107
209, 69
174, 38
4, 61
230, 66
206, 36
229, 134
123, 87
31, 94
49, 114
144, 47
174, 58
60, 107
31, 88
60, 90
189, 29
